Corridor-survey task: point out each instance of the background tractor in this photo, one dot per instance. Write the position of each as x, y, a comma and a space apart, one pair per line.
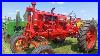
42, 27
11, 27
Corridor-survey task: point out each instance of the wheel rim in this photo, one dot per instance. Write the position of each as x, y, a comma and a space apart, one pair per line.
20, 45
91, 37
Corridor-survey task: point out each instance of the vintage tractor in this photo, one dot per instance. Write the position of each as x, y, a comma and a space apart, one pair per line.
11, 27
47, 26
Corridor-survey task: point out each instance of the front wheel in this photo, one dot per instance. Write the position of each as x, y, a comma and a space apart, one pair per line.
18, 44
46, 49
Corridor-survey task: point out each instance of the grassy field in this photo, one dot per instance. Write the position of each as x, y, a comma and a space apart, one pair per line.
68, 47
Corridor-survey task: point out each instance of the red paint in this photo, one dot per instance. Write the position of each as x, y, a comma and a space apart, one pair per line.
40, 24
91, 38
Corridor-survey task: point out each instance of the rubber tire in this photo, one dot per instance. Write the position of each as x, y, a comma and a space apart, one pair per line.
43, 48
7, 38
82, 37
13, 40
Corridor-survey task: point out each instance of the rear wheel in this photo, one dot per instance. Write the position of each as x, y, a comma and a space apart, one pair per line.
87, 36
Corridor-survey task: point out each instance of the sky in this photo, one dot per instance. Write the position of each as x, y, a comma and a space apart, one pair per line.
84, 10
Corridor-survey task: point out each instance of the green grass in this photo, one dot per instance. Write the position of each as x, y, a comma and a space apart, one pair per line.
68, 47
5, 48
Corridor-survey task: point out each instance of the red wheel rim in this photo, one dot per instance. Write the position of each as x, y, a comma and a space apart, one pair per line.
20, 45
91, 37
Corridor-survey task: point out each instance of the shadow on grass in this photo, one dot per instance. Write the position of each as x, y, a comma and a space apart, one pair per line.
57, 45
28, 51
74, 47
95, 51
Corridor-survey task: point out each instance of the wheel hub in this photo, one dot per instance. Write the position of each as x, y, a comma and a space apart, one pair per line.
20, 45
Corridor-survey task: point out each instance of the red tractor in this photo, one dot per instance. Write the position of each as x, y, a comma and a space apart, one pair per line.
47, 26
